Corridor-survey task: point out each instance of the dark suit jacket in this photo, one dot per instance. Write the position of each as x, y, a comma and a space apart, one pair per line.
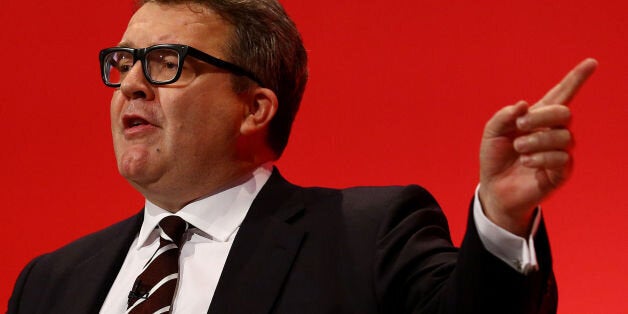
316, 250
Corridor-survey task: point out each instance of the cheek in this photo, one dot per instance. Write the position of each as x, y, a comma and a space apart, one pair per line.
188, 116
210, 124
115, 107
201, 115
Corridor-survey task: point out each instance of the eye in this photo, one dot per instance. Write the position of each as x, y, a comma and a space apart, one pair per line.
170, 65
164, 59
122, 62
124, 68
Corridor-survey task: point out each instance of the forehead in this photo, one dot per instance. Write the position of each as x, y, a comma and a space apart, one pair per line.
187, 24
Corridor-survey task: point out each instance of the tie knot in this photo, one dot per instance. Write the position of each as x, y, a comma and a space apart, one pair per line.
173, 228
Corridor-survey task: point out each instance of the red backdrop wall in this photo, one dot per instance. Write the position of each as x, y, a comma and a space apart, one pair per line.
399, 93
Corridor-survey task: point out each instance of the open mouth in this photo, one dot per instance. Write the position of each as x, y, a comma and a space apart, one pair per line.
134, 121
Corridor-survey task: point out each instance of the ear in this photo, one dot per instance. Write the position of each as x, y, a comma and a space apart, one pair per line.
262, 106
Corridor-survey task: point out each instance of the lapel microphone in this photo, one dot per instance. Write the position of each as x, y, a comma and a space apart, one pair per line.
137, 292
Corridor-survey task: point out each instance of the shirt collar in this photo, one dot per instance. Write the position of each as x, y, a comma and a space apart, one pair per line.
218, 215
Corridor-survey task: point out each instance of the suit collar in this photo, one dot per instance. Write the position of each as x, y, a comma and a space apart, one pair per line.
92, 278
263, 251
278, 198
219, 215
257, 265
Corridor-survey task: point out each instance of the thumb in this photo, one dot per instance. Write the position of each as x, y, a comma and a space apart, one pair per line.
504, 121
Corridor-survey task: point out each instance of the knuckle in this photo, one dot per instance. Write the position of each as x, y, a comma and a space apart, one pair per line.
564, 114
559, 159
565, 136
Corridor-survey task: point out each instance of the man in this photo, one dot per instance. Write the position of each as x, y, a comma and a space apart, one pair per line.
206, 92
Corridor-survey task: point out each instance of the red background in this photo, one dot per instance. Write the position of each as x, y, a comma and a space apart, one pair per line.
399, 93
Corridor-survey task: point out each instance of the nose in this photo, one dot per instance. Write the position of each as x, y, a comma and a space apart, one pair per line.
135, 85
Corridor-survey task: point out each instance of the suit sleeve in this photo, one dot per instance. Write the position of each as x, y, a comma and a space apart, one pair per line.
482, 281
418, 270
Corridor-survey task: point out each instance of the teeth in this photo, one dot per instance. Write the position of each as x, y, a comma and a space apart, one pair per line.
135, 122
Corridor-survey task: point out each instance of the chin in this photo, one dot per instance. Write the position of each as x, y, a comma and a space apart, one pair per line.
135, 165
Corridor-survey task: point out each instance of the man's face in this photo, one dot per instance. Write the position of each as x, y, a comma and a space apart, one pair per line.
177, 142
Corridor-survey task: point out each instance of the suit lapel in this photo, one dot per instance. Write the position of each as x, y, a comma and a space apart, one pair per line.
89, 284
263, 251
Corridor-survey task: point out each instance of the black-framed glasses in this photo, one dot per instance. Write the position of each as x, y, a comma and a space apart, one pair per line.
162, 64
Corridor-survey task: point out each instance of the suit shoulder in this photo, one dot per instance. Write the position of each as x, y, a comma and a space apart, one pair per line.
366, 197
371, 194
372, 191
124, 231
377, 205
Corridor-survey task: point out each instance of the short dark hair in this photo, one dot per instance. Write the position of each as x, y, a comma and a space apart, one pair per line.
266, 42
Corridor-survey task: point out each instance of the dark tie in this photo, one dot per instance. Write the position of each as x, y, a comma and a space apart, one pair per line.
154, 288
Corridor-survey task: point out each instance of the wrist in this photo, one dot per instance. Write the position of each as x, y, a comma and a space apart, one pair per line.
515, 221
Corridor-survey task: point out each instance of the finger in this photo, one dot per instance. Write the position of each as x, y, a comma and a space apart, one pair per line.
547, 160
567, 88
504, 120
551, 116
552, 140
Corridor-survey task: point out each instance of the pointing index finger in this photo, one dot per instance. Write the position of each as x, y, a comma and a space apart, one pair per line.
564, 91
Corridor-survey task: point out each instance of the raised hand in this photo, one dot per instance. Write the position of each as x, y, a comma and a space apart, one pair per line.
524, 154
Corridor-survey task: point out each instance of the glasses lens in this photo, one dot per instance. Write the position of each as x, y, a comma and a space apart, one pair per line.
162, 64
117, 64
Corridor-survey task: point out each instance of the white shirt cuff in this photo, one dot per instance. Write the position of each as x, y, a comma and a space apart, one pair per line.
512, 249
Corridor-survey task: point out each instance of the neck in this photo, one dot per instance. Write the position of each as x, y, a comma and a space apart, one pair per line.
187, 190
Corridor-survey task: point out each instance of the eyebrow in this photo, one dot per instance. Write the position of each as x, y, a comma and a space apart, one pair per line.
125, 44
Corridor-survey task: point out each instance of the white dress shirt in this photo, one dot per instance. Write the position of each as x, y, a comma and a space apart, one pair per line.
216, 220
510, 248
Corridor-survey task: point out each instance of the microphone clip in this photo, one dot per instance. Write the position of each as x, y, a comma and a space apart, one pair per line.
137, 292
